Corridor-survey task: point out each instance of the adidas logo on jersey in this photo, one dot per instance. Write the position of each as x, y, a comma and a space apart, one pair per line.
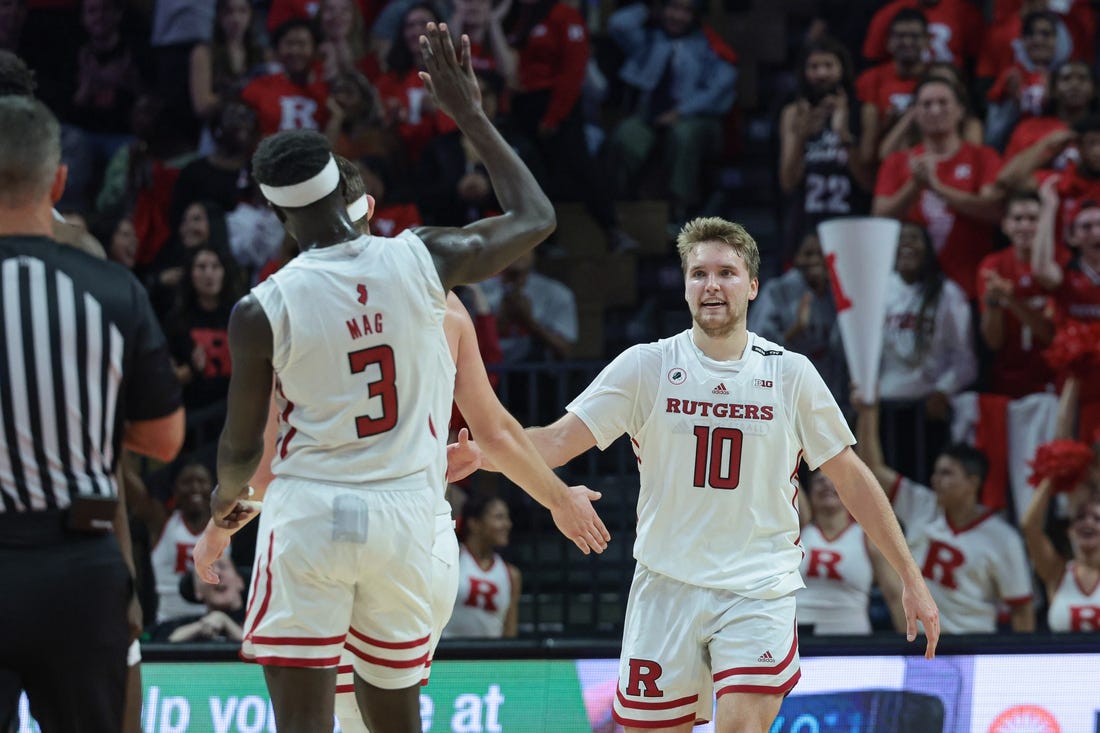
720, 389
766, 658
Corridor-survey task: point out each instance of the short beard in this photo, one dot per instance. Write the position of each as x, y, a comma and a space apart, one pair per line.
716, 332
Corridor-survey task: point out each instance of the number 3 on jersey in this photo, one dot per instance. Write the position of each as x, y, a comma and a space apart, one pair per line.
384, 387
718, 457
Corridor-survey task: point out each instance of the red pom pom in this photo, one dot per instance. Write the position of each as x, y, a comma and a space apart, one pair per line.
1064, 462
1075, 348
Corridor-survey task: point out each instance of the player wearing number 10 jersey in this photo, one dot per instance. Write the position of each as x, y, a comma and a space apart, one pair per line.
719, 419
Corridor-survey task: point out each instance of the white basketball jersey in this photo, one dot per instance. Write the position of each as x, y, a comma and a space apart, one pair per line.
838, 577
364, 376
718, 444
171, 558
969, 569
483, 598
1074, 607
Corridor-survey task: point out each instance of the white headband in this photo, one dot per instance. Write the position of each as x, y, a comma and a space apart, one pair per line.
358, 208
306, 192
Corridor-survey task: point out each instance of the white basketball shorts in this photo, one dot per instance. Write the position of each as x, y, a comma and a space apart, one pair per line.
684, 645
342, 566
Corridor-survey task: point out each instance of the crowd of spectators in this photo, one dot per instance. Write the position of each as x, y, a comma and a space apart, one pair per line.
975, 124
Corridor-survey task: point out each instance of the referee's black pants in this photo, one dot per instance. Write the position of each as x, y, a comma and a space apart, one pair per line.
64, 633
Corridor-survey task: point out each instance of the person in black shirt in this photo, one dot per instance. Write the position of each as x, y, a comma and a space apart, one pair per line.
84, 373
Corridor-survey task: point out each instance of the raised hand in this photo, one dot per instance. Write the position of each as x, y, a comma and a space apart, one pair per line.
577, 519
448, 78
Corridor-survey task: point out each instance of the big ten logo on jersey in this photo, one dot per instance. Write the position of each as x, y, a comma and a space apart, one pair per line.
297, 113
642, 678
483, 594
823, 564
940, 563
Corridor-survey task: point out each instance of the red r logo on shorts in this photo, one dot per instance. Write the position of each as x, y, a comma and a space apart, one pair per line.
644, 672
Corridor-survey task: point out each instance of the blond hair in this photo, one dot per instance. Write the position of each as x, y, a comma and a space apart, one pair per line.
715, 229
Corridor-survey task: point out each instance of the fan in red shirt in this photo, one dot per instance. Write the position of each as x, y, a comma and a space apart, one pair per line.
1021, 88
1017, 312
1076, 287
954, 27
407, 102
1076, 25
343, 45
489, 46
552, 42
292, 98
1047, 142
945, 184
886, 90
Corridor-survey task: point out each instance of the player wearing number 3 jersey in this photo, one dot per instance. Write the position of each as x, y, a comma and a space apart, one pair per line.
351, 332
719, 419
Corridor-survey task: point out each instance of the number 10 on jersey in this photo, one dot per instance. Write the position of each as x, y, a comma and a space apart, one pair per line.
717, 457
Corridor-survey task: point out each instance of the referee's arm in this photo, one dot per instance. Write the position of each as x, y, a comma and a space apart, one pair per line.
154, 414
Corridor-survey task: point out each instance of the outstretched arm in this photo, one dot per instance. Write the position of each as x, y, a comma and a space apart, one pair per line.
483, 248
506, 444
869, 446
856, 486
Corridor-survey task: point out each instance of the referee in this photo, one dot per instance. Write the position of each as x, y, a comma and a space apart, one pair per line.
84, 372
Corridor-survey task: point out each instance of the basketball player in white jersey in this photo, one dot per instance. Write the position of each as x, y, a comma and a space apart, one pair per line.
352, 329
972, 559
839, 565
1072, 584
720, 419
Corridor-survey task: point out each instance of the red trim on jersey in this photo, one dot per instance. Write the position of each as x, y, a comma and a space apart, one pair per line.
431, 428
295, 662
839, 534
635, 442
297, 640
1072, 566
286, 414
389, 644
345, 669
462, 548
652, 723
786, 662
1018, 601
892, 492
340, 689
392, 664
969, 525
267, 590
666, 705
762, 689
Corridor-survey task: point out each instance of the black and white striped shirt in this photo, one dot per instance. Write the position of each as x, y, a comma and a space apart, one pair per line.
80, 353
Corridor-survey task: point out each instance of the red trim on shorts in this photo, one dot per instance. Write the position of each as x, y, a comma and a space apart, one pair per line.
786, 662
379, 661
389, 644
296, 640
763, 689
344, 669
652, 723
666, 705
341, 689
295, 662
267, 591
